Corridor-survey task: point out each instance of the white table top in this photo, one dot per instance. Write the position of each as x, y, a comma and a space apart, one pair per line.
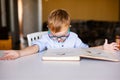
32, 68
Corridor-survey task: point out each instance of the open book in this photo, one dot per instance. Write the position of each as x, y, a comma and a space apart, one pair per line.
75, 54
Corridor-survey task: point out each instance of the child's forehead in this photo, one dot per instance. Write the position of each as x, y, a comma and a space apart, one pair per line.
60, 33
63, 27
62, 30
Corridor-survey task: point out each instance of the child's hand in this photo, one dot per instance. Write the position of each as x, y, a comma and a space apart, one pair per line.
10, 55
111, 47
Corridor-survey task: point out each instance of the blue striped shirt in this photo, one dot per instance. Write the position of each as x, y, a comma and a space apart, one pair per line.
71, 42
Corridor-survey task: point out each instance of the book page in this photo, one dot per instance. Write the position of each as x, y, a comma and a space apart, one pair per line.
66, 52
101, 54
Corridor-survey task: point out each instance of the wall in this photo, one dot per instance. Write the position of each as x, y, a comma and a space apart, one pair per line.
106, 10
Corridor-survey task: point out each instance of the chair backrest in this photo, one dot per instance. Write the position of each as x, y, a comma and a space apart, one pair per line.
34, 36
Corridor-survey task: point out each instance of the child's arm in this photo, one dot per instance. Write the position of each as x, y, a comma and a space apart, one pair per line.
111, 47
29, 50
13, 54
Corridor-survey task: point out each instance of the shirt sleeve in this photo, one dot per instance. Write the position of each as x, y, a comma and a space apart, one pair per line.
80, 44
41, 44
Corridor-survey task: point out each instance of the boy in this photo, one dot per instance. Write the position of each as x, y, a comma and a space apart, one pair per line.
59, 36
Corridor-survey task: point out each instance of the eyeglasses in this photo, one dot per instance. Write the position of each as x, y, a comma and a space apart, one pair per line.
59, 38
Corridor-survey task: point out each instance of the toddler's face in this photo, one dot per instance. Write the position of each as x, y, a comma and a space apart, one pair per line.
60, 36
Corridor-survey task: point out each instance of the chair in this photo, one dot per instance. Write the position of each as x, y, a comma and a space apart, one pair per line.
34, 36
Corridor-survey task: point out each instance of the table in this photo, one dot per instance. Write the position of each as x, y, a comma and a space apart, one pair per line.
33, 68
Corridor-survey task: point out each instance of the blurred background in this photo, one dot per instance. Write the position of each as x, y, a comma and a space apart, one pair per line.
21, 17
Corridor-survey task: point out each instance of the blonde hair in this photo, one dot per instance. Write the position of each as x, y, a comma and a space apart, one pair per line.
57, 18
